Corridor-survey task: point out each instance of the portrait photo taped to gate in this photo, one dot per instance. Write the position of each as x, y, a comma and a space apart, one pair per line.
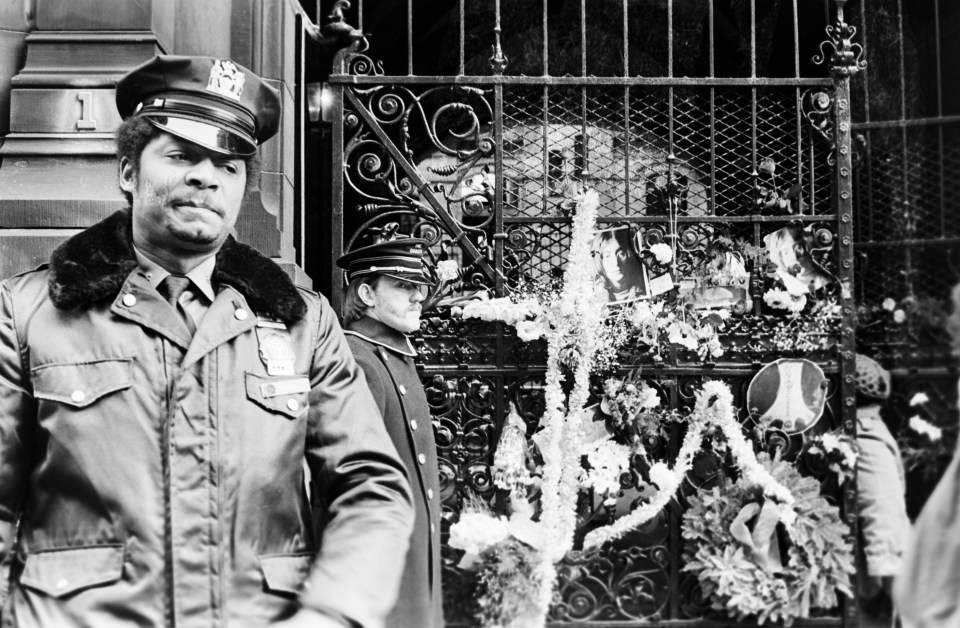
164, 389
621, 270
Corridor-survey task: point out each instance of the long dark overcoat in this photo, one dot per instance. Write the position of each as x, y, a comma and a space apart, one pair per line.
386, 357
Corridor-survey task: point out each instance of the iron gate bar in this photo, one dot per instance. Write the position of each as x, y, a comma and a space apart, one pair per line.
895, 124
576, 81
680, 219
459, 235
898, 243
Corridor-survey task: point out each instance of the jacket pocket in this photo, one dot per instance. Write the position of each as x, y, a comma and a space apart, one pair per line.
285, 573
80, 384
63, 572
283, 395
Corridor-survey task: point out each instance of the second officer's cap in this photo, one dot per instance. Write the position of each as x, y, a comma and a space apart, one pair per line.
215, 103
401, 258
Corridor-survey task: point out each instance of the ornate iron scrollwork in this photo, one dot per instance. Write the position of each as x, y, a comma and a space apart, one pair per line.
847, 58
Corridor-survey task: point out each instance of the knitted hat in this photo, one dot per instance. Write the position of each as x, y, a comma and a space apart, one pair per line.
873, 380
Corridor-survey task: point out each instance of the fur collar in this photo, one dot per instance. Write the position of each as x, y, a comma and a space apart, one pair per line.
94, 264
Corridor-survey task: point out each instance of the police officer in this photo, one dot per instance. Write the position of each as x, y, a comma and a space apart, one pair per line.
160, 386
386, 288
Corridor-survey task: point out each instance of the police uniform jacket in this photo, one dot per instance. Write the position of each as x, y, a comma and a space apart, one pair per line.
386, 356
149, 479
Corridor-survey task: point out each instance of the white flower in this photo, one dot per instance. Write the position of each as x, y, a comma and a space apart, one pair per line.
475, 532
448, 270
776, 298
784, 300
662, 252
917, 399
899, 316
921, 426
529, 330
888, 304
682, 334
608, 459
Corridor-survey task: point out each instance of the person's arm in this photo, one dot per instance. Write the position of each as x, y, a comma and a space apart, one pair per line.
362, 485
17, 414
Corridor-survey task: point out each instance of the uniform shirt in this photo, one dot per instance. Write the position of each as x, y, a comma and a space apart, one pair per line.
195, 303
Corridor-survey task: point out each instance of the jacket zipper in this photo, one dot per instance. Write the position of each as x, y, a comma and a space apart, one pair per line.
167, 492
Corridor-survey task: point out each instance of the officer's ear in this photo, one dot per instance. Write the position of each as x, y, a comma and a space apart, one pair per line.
365, 292
128, 175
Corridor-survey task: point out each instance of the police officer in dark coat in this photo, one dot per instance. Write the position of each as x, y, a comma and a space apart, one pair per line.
386, 288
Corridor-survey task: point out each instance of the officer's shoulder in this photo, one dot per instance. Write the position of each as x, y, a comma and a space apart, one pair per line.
35, 277
313, 298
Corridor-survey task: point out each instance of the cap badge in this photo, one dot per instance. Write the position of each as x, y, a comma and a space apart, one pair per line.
226, 79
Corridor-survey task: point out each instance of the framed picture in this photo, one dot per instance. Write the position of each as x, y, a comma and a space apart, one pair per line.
789, 394
619, 266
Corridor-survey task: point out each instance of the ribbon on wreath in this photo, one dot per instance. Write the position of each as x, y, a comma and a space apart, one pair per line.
763, 550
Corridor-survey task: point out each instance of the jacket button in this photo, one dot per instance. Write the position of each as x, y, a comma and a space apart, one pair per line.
402, 389
77, 396
413, 424
429, 493
422, 459
433, 529
293, 405
129, 300
240, 315
62, 584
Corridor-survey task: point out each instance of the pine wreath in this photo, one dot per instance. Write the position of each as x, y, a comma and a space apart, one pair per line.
818, 560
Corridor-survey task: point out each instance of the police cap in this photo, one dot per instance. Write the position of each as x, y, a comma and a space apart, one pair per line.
215, 103
401, 258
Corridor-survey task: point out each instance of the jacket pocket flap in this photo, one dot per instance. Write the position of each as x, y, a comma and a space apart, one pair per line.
284, 395
62, 572
80, 384
285, 573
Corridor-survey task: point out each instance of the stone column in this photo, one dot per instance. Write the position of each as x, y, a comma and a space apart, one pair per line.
58, 171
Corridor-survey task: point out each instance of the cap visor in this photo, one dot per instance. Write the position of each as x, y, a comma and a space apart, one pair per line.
412, 278
215, 138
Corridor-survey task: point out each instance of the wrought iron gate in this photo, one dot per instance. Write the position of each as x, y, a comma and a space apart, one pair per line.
691, 149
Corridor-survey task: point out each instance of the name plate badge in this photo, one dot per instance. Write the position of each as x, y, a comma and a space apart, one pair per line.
285, 387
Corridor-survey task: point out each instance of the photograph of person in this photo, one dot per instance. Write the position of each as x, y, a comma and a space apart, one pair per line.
623, 274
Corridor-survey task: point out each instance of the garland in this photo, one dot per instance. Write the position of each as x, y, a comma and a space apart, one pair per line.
741, 571
714, 406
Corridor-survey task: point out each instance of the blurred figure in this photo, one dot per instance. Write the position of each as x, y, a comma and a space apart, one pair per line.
927, 591
620, 268
881, 490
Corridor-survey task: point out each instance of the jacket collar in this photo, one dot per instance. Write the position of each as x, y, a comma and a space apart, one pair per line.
377, 333
94, 264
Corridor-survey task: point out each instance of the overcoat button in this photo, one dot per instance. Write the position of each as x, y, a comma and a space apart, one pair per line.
129, 300
240, 315
413, 424
62, 584
422, 459
293, 405
429, 493
433, 529
402, 389
77, 396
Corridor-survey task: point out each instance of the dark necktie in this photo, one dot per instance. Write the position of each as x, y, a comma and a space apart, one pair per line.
171, 288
